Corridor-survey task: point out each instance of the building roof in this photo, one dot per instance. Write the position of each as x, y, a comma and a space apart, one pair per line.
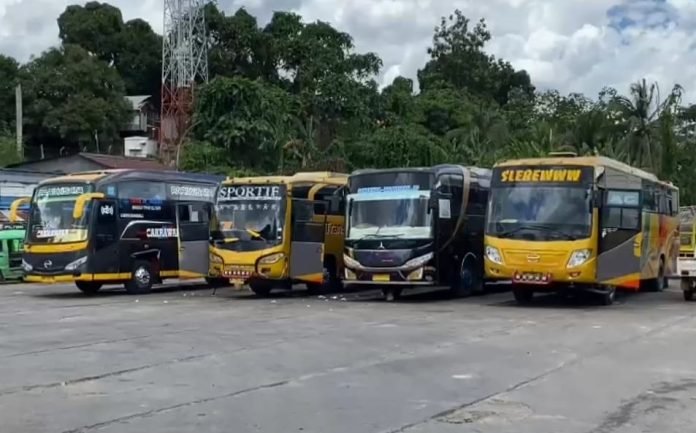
104, 161
137, 101
118, 161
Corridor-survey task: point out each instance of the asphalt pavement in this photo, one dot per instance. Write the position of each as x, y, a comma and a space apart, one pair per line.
183, 360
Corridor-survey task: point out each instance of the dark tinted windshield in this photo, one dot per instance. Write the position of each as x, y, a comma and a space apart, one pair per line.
51, 219
540, 212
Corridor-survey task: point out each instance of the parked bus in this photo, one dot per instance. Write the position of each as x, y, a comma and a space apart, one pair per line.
118, 226
271, 232
416, 227
588, 223
13, 185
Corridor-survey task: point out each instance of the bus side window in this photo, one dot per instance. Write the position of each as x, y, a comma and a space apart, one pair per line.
194, 213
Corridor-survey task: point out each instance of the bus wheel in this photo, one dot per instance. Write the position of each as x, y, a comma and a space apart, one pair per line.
260, 289
468, 281
687, 289
607, 298
141, 278
391, 295
330, 281
660, 283
88, 287
523, 295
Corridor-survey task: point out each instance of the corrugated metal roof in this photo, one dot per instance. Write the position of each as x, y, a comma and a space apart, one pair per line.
137, 101
115, 161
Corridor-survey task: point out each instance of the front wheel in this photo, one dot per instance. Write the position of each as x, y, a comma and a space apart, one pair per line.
88, 287
523, 296
687, 289
142, 278
391, 295
330, 282
468, 281
608, 297
260, 288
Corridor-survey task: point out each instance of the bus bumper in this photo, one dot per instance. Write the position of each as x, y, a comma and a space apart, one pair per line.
423, 276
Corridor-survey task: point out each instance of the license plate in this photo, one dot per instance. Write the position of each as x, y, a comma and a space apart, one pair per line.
381, 277
237, 283
532, 278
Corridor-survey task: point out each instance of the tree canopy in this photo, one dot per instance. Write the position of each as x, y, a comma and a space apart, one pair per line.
291, 95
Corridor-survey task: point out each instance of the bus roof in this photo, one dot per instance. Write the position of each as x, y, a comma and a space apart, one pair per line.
436, 169
301, 177
590, 161
115, 174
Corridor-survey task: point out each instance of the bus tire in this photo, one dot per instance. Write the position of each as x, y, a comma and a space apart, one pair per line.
330, 281
88, 287
260, 288
468, 280
523, 295
142, 278
391, 295
657, 284
607, 298
687, 289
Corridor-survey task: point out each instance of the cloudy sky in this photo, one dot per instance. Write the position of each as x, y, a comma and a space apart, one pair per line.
571, 45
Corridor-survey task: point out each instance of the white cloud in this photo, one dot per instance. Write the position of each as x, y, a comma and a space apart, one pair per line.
571, 45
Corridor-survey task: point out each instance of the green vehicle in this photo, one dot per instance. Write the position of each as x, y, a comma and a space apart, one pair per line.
11, 245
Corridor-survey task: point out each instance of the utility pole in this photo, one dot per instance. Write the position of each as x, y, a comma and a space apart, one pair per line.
19, 121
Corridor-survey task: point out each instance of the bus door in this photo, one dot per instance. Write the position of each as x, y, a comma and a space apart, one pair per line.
308, 219
620, 238
192, 221
105, 246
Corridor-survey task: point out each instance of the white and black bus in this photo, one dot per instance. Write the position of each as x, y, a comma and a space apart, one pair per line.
410, 227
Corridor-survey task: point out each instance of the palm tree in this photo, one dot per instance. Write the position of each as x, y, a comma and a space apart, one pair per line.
642, 112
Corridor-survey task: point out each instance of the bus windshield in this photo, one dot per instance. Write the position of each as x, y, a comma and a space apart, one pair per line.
404, 216
51, 218
540, 212
248, 222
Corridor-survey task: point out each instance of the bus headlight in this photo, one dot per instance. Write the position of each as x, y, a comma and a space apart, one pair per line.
271, 259
76, 264
26, 266
579, 257
418, 261
493, 254
214, 258
350, 262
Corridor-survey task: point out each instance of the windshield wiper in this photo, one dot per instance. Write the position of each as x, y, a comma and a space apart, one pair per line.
539, 227
255, 234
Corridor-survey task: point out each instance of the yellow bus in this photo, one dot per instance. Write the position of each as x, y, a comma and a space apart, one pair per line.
587, 223
271, 232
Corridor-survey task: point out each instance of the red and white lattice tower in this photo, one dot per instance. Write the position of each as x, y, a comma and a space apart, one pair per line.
184, 64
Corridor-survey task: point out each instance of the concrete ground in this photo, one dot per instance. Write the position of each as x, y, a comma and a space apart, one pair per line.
181, 360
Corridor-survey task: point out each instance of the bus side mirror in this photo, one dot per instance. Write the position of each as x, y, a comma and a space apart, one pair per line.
14, 207
81, 202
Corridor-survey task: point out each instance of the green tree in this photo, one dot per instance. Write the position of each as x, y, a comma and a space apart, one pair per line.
8, 150
249, 119
457, 56
9, 70
69, 97
133, 48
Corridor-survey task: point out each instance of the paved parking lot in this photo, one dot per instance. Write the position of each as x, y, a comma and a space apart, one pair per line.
181, 360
